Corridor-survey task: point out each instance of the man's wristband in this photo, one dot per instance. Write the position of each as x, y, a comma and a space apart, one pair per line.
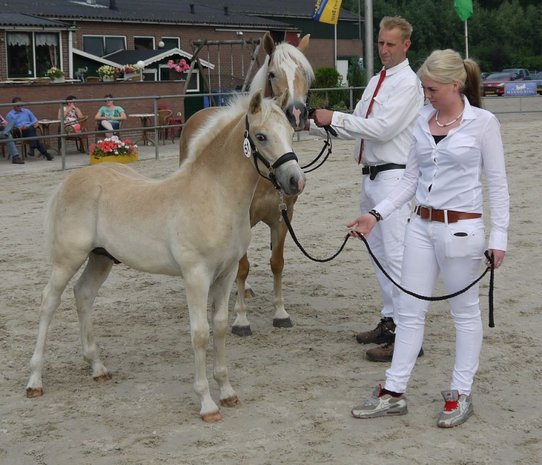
377, 215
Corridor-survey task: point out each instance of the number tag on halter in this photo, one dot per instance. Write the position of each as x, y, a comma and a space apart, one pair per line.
246, 148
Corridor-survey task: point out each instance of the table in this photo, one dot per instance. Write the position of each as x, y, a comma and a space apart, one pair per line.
144, 117
45, 125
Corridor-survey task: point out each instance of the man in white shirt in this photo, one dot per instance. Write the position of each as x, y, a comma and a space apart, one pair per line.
382, 123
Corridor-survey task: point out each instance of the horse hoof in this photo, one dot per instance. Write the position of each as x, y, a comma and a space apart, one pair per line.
282, 323
103, 378
241, 331
232, 401
212, 417
34, 392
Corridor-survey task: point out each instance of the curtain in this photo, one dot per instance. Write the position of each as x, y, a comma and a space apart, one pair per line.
22, 39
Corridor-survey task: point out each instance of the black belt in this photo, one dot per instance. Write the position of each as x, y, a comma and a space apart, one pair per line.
372, 171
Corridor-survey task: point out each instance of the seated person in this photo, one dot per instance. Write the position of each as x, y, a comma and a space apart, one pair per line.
109, 116
5, 133
23, 119
72, 115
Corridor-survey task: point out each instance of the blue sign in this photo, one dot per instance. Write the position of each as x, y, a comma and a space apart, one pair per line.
519, 88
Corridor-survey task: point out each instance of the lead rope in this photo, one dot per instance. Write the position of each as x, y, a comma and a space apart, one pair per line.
489, 268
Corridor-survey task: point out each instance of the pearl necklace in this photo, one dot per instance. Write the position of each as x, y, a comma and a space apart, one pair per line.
449, 123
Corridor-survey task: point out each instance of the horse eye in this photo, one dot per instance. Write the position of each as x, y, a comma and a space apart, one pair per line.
271, 75
261, 137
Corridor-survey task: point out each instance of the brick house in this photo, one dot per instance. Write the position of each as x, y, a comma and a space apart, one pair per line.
79, 36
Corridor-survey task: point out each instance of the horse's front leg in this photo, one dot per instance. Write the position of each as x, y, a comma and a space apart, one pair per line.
241, 325
219, 293
197, 291
281, 319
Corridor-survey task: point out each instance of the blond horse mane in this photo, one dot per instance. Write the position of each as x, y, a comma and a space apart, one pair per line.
285, 55
214, 125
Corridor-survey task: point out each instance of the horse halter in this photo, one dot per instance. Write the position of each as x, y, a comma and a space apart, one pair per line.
249, 149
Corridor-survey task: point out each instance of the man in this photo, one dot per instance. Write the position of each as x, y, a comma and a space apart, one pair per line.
25, 120
5, 133
382, 122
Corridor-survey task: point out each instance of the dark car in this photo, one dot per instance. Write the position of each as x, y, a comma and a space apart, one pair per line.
494, 83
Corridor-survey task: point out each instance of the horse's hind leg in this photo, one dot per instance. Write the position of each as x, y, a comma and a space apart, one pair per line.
281, 319
50, 300
241, 325
94, 275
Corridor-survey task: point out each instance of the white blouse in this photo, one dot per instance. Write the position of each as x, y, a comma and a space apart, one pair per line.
447, 175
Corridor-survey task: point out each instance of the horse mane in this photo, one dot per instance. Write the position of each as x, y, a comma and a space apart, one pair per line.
212, 128
284, 54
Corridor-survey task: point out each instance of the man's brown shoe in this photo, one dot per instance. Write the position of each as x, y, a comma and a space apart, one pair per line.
384, 332
384, 353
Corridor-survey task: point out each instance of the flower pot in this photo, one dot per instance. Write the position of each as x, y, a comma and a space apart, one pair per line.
108, 78
114, 159
58, 79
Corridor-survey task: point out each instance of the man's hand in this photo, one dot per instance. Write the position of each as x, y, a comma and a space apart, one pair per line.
322, 117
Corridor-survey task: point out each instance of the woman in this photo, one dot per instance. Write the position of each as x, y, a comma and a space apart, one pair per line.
109, 116
72, 115
455, 141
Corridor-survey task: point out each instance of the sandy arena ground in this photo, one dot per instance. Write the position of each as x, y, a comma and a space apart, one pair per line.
296, 385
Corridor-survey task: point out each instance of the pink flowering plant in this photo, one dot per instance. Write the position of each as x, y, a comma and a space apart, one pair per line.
112, 147
180, 67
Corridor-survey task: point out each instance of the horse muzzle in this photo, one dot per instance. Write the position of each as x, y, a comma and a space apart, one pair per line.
288, 175
297, 115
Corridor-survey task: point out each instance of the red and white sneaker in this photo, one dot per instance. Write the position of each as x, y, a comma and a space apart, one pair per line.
457, 409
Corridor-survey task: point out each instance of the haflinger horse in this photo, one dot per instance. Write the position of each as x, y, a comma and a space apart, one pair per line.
193, 224
285, 68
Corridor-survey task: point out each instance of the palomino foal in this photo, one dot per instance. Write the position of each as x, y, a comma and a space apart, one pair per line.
285, 69
179, 227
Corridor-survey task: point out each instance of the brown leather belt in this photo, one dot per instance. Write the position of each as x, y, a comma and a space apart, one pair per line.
431, 214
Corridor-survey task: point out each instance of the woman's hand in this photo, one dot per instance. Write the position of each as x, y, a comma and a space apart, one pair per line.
362, 225
498, 257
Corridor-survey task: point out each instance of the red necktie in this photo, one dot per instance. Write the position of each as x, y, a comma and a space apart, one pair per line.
377, 88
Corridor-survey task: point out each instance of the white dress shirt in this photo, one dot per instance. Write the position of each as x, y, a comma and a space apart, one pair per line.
387, 132
447, 175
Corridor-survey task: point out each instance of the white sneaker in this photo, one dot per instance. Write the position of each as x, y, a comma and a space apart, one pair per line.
457, 409
380, 405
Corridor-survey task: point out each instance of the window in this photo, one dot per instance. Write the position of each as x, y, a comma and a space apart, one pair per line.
144, 43
171, 42
31, 54
103, 45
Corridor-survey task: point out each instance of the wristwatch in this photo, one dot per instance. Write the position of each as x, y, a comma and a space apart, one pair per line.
377, 215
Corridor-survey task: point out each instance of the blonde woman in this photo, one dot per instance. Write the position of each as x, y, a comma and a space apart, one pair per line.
455, 143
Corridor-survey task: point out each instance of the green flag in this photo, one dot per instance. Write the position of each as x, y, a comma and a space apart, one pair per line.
463, 9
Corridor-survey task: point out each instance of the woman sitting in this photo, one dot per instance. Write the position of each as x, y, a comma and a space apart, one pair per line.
72, 115
109, 116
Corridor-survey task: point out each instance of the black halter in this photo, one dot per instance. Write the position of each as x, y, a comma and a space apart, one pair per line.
259, 157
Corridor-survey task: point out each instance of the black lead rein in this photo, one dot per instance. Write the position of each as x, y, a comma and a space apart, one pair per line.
489, 268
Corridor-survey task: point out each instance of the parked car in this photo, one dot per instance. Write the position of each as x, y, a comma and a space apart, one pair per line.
538, 78
520, 73
494, 83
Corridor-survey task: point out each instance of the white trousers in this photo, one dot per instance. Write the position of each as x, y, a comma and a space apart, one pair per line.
455, 251
387, 237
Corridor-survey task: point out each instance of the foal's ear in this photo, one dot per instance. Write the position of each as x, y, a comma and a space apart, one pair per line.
268, 43
255, 104
303, 45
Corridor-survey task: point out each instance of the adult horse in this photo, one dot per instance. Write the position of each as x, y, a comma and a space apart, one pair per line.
194, 224
285, 68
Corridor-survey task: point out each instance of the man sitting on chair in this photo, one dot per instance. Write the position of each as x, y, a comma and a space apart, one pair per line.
23, 119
